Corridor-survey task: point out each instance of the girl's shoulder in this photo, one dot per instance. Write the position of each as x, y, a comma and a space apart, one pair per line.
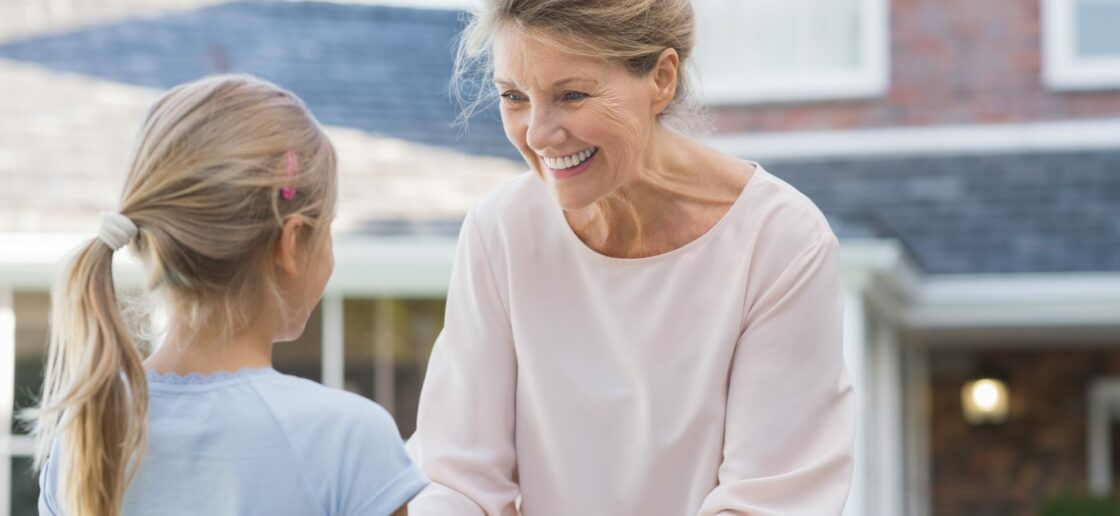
346, 441
306, 402
265, 396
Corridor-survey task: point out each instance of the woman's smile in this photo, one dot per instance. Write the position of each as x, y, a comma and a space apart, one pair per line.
564, 167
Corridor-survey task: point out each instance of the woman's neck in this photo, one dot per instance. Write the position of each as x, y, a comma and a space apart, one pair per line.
682, 189
182, 353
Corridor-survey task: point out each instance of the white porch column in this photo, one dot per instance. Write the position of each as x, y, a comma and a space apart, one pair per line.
384, 336
888, 453
334, 345
917, 428
855, 354
7, 393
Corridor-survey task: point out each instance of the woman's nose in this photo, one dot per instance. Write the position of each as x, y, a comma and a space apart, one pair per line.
545, 129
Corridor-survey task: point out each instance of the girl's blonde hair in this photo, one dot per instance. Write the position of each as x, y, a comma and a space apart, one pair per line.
632, 33
206, 190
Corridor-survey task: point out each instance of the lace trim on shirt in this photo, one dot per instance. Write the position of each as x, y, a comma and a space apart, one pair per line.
201, 378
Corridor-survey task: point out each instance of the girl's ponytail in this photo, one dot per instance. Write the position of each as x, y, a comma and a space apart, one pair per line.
95, 396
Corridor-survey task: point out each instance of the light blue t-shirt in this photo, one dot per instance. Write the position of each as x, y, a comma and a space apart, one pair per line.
258, 442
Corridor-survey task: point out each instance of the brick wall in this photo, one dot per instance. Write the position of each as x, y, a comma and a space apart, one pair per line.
951, 62
1012, 469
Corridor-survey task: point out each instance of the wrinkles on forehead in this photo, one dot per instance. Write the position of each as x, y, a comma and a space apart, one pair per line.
529, 62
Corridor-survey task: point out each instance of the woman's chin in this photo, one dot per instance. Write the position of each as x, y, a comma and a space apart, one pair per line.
571, 197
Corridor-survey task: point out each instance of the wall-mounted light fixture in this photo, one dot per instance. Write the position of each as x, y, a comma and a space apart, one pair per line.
985, 401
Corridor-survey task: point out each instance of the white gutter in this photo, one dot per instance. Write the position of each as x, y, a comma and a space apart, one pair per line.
1021, 301
945, 140
364, 266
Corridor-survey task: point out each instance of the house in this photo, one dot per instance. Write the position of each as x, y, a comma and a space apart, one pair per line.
968, 155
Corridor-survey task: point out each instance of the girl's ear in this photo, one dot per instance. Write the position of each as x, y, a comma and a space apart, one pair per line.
287, 254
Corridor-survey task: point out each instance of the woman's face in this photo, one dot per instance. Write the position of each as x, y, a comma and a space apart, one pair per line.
583, 124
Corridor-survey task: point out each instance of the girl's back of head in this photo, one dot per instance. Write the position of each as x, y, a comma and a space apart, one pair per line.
220, 165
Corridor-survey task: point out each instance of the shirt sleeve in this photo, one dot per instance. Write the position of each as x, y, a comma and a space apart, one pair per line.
465, 425
376, 476
790, 427
47, 482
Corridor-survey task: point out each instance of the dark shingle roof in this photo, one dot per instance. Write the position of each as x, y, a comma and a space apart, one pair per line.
384, 70
1041, 212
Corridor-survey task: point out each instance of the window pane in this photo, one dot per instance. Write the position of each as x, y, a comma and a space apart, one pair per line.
777, 36
25, 488
32, 311
424, 322
394, 377
1098, 28
358, 339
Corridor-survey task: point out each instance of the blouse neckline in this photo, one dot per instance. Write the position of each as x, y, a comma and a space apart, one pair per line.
730, 214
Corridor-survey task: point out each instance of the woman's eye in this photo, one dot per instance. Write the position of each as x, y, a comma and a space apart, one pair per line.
512, 96
573, 96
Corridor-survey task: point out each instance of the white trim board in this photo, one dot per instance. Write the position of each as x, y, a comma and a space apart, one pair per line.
945, 140
23, 446
364, 265
1016, 301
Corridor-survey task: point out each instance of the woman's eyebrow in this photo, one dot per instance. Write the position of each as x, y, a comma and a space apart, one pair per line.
562, 82
506, 84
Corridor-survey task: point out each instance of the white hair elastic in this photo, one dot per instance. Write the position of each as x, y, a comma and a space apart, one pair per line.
116, 230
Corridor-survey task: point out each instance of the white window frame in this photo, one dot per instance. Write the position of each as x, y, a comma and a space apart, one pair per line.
1062, 68
870, 80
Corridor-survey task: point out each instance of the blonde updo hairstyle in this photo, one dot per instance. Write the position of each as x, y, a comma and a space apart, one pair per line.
631, 33
204, 189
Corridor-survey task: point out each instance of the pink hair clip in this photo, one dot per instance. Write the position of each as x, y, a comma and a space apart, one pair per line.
289, 192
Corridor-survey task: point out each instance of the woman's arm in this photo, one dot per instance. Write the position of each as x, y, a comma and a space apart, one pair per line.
464, 437
790, 424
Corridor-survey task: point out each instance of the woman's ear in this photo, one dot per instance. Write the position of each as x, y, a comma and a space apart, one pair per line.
287, 252
665, 75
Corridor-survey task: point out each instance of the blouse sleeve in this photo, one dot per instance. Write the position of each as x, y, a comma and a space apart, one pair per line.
464, 439
790, 427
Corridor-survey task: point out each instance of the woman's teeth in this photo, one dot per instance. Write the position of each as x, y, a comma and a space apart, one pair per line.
569, 161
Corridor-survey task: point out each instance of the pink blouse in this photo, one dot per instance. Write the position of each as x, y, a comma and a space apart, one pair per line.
708, 380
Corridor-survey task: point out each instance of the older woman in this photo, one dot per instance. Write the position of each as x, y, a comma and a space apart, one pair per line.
640, 325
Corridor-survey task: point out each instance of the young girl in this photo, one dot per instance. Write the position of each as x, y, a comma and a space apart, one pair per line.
228, 205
